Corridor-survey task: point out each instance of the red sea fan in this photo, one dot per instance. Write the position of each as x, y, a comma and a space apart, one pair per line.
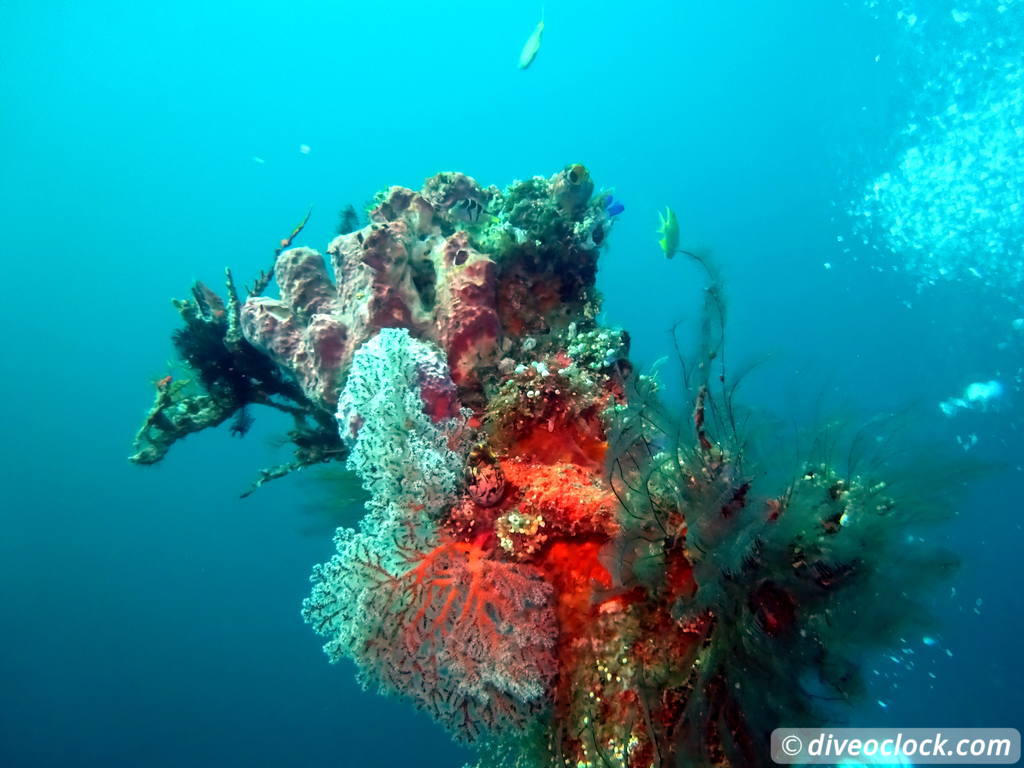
469, 638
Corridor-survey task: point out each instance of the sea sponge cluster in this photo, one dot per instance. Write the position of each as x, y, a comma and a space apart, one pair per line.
455, 263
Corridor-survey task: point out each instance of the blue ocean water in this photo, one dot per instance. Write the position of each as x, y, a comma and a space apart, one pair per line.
150, 617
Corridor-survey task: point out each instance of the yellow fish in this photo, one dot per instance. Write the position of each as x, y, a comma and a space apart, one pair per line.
669, 230
529, 52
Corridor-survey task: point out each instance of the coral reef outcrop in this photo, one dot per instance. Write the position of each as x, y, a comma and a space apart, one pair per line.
455, 263
552, 564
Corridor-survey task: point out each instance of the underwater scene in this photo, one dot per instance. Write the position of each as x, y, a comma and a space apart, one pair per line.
508, 384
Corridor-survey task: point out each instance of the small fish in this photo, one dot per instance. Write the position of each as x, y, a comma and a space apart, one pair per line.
614, 207
668, 228
529, 52
468, 209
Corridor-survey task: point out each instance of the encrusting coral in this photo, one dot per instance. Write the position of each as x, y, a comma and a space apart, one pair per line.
551, 564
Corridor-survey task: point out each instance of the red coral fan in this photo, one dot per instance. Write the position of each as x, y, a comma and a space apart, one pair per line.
468, 637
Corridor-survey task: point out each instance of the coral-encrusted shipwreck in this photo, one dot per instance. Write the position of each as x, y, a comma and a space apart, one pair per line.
549, 562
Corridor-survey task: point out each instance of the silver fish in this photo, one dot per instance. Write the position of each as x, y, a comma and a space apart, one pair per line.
467, 209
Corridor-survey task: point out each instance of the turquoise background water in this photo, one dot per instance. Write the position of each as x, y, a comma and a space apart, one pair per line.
150, 617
